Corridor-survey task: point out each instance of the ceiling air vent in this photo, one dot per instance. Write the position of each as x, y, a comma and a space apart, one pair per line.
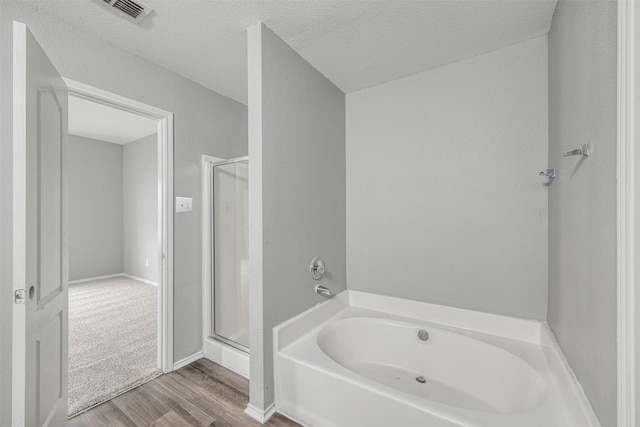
135, 11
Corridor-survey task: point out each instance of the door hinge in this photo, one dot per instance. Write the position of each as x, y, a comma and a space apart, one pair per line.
20, 296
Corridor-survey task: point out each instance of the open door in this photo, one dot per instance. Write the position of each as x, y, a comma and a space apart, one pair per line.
39, 386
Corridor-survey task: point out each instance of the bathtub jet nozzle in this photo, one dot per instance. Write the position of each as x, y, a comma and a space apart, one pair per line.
423, 335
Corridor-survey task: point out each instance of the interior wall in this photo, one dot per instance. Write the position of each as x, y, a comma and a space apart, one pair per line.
113, 208
296, 193
582, 199
444, 201
140, 208
95, 208
205, 123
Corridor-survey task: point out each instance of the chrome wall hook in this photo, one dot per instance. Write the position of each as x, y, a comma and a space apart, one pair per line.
549, 173
585, 150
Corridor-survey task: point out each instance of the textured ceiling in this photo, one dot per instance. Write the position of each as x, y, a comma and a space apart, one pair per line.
97, 121
355, 43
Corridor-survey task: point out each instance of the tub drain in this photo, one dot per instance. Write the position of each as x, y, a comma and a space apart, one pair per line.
421, 379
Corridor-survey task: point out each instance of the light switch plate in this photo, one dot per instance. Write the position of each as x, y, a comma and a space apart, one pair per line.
184, 204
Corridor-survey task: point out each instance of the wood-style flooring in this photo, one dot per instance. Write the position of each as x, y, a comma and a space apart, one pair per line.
200, 394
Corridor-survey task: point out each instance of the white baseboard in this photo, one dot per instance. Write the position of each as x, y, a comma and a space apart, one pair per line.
89, 279
258, 415
227, 356
109, 276
139, 279
187, 360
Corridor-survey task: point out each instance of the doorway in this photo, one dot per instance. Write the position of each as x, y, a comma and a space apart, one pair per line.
113, 260
135, 252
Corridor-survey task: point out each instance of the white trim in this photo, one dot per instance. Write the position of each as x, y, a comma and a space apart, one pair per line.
207, 264
19, 365
258, 415
140, 279
91, 279
109, 276
110, 99
257, 332
188, 360
165, 237
165, 198
227, 356
626, 214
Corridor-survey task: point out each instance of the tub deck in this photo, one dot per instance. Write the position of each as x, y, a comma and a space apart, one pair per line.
314, 389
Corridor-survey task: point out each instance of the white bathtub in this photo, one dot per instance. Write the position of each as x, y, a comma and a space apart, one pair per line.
358, 360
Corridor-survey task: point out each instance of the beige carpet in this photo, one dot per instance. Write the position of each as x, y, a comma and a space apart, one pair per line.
112, 339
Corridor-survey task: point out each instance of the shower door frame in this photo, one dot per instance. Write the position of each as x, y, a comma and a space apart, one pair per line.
628, 213
229, 354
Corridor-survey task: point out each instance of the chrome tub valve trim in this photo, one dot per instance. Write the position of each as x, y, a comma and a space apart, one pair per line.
316, 268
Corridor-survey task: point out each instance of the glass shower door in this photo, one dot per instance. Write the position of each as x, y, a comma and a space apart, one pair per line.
231, 253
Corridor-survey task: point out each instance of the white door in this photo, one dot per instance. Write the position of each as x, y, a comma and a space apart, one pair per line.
39, 387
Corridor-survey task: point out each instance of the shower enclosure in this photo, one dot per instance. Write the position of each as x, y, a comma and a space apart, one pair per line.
230, 253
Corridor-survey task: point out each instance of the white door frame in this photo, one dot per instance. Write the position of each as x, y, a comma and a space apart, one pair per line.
165, 203
628, 196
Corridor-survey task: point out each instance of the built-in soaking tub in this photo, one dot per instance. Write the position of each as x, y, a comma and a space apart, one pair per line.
368, 360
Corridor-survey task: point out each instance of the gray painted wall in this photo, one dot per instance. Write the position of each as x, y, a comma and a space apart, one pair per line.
444, 201
582, 199
113, 208
95, 208
205, 123
296, 192
140, 208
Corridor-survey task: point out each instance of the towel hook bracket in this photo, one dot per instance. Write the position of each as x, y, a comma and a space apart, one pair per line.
585, 151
